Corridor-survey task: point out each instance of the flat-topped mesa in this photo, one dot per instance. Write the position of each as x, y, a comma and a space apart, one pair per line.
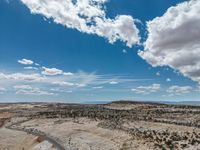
136, 102
155, 103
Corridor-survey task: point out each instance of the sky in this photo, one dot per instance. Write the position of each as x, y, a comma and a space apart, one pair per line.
99, 50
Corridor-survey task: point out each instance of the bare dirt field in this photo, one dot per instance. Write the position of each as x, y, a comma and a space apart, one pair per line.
114, 126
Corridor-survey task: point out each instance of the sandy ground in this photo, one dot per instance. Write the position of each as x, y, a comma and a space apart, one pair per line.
84, 134
114, 126
17, 106
17, 140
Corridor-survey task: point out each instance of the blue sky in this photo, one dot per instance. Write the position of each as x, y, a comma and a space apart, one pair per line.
42, 59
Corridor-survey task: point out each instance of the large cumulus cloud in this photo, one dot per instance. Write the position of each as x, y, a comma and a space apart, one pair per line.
174, 40
87, 16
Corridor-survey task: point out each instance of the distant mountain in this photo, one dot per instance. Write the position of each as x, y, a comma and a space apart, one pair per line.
95, 102
193, 103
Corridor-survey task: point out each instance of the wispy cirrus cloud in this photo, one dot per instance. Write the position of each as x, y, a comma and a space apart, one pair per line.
42, 80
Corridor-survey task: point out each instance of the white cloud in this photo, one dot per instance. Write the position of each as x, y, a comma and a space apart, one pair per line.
28, 90
31, 68
63, 83
37, 64
147, 89
35, 91
124, 51
158, 73
113, 82
178, 90
24, 87
68, 74
22, 77
76, 81
97, 87
79, 79
87, 16
25, 62
45, 80
51, 71
2, 90
81, 85
173, 40
168, 80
